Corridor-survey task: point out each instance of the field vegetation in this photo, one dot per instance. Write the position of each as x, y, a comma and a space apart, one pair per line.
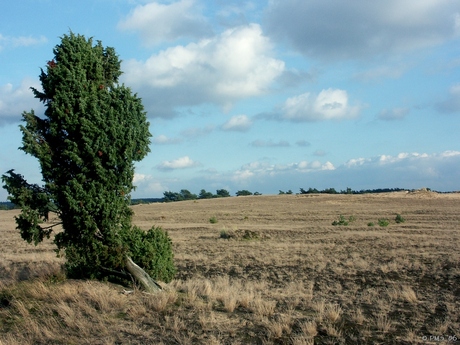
269, 270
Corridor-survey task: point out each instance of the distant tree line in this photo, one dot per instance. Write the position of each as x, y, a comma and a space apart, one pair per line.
185, 194
145, 201
288, 192
350, 191
6, 205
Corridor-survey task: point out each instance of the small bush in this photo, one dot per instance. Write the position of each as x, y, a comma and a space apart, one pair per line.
399, 219
152, 250
213, 220
370, 224
243, 192
250, 235
384, 222
225, 234
341, 221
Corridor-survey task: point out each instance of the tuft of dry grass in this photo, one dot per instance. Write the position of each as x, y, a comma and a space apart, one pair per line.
262, 308
408, 294
383, 323
333, 312
309, 329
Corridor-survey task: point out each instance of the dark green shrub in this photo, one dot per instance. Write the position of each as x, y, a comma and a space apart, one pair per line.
152, 250
399, 219
225, 234
222, 193
213, 220
383, 222
341, 221
243, 192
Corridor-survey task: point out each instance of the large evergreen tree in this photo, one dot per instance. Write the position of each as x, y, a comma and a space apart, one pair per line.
93, 131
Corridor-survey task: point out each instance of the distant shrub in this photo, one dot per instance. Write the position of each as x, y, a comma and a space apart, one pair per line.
205, 195
222, 193
250, 235
383, 222
152, 249
399, 219
341, 221
370, 224
225, 234
243, 192
213, 220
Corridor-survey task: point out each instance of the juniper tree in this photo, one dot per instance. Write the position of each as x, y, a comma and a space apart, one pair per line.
92, 132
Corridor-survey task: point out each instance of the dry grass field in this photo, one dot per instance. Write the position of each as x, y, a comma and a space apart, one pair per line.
257, 270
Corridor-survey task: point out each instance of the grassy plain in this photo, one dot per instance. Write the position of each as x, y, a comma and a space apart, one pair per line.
257, 270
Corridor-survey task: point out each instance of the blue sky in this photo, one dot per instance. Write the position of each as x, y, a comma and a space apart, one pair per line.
262, 95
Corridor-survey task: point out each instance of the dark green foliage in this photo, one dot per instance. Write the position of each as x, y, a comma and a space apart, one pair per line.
309, 191
213, 220
243, 192
145, 201
350, 191
7, 206
205, 195
383, 222
225, 234
171, 196
183, 195
399, 219
186, 195
92, 133
344, 221
341, 221
152, 250
222, 193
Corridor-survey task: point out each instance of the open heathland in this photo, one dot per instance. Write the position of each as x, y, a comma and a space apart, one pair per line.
257, 270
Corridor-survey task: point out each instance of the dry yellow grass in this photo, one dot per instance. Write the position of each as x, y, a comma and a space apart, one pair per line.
285, 276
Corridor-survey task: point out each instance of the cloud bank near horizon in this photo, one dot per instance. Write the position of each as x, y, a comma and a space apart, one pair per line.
410, 170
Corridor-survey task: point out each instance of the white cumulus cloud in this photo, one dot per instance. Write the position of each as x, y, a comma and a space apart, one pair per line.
329, 104
164, 140
158, 22
14, 100
239, 123
236, 64
147, 186
179, 163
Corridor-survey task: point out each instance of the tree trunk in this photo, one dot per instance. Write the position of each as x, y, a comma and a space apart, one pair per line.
141, 276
